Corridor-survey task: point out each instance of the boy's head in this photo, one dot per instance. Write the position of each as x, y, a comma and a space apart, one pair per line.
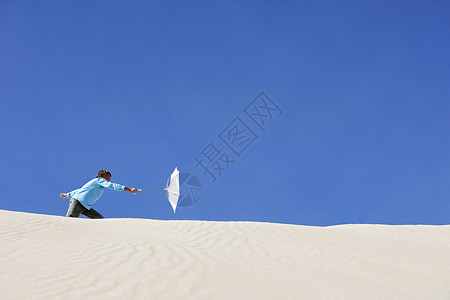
104, 174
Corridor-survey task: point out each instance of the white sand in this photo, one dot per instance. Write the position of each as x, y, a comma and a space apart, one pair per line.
51, 257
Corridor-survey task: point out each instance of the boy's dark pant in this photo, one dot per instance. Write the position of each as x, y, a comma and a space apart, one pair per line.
76, 208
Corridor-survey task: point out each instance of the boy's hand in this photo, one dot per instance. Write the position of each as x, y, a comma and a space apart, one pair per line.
64, 196
133, 190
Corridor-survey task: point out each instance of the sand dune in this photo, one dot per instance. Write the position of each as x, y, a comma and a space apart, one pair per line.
51, 257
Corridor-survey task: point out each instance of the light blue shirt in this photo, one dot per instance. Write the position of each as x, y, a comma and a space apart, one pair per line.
91, 191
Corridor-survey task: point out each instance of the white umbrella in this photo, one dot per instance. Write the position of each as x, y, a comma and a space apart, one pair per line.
172, 189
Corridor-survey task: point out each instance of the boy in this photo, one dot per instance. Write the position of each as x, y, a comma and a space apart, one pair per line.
82, 199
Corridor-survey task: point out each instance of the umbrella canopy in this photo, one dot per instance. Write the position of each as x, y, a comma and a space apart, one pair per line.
173, 189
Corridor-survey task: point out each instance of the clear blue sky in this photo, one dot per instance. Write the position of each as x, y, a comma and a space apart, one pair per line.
140, 87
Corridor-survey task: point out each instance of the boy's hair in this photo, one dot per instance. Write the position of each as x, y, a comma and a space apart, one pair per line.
103, 173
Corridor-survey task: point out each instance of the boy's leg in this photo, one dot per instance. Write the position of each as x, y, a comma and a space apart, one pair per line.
75, 208
92, 214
